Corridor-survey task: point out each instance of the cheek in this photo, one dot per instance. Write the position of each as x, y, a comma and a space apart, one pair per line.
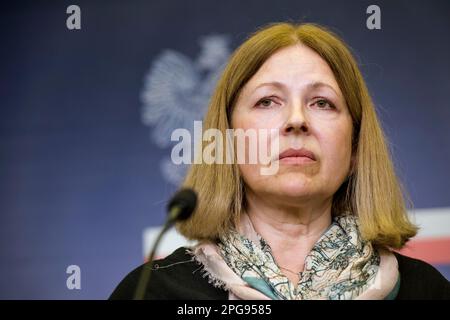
251, 176
256, 119
335, 145
265, 129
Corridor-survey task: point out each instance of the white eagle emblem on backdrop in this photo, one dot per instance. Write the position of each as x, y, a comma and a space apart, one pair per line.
176, 92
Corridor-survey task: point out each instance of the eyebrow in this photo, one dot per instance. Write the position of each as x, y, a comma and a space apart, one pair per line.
311, 85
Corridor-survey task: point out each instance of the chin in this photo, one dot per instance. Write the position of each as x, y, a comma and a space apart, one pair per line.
294, 186
295, 193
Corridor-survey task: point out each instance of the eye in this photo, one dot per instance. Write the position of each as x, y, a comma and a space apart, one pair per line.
265, 103
324, 104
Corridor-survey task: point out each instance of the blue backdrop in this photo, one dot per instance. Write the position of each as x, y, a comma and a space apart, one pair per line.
81, 169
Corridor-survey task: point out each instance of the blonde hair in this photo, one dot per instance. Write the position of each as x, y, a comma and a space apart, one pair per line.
372, 191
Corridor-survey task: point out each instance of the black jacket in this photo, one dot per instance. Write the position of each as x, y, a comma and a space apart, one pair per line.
179, 277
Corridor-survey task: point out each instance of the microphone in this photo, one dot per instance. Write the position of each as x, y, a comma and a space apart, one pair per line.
182, 205
180, 208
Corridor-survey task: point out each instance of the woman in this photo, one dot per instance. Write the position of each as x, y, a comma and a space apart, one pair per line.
325, 224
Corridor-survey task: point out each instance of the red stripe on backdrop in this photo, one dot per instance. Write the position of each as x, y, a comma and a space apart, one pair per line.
431, 250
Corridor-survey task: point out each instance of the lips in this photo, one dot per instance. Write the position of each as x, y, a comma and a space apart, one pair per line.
297, 153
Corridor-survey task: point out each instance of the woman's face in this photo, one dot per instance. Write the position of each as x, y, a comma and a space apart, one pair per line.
296, 93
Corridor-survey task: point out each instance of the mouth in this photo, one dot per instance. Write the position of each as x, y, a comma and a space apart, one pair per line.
297, 156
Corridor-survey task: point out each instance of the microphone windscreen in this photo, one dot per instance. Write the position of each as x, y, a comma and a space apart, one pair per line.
186, 201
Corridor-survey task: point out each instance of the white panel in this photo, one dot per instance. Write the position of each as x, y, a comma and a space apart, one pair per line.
170, 241
433, 222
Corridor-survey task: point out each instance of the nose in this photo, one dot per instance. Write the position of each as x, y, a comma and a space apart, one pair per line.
296, 122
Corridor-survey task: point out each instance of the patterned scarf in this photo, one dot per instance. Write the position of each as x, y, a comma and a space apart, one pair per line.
340, 266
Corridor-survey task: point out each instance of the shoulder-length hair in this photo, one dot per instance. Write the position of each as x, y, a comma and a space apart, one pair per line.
372, 191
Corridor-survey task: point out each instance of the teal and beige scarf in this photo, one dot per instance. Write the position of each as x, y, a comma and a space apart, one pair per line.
340, 266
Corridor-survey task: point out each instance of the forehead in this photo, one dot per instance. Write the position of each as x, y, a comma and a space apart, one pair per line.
296, 66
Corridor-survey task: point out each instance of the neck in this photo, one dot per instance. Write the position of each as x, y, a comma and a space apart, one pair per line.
290, 231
